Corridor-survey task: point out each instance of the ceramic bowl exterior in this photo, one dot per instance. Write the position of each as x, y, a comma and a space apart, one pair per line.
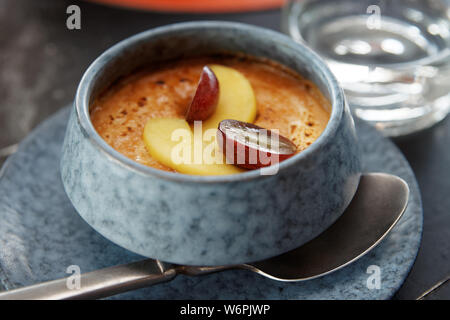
214, 220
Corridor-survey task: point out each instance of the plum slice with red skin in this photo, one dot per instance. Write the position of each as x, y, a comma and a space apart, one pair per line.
251, 147
206, 97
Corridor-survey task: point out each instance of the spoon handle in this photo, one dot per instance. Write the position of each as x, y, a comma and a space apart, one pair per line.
97, 284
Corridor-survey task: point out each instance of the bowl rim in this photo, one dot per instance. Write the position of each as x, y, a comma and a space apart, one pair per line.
87, 82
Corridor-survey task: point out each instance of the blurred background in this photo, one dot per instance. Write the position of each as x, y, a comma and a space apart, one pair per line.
42, 61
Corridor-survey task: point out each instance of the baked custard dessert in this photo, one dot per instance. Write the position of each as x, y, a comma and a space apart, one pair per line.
181, 114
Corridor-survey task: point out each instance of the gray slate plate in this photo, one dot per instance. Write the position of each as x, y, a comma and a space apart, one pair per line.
41, 234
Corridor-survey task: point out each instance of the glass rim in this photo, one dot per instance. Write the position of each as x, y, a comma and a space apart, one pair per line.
290, 26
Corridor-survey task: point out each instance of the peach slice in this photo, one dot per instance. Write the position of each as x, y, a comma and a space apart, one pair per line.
172, 142
236, 98
249, 146
206, 97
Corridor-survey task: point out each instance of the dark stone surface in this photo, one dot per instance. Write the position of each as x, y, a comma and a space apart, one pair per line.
429, 156
41, 62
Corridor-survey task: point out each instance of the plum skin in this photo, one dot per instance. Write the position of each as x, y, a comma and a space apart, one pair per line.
205, 98
247, 152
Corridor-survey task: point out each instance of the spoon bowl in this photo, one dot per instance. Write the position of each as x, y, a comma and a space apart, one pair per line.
378, 205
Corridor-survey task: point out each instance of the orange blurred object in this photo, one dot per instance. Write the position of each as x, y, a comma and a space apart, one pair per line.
205, 6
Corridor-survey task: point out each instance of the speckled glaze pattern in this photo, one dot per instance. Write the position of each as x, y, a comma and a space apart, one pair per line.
208, 220
41, 234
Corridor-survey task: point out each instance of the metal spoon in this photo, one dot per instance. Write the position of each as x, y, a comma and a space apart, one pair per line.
377, 206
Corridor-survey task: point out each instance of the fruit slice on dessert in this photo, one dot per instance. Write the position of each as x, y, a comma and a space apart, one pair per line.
172, 142
236, 98
206, 97
249, 146
222, 93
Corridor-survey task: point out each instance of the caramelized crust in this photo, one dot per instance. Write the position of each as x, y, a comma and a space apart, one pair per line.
285, 101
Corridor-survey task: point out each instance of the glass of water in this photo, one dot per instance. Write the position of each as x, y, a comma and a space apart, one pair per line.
392, 57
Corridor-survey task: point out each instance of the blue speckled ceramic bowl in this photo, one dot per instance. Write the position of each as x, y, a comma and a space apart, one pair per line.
210, 220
